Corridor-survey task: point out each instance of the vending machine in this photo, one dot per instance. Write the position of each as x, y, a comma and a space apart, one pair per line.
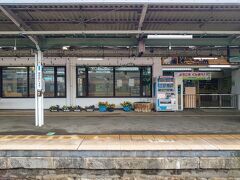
165, 94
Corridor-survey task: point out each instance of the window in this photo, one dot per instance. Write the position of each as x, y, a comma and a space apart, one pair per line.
31, 81
114, 81
61, 84
14, 82
48, 76
81, 82
100, 81
146, 76
20, 81
127, 81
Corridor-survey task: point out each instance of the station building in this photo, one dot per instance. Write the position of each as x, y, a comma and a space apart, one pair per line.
102, 52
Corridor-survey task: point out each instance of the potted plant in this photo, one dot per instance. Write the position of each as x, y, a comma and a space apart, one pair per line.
127, 106
90, 108
76, 108
111, 107
102, 106
66, 109
54, 108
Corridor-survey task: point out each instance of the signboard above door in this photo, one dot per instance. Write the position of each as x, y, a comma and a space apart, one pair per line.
193, 75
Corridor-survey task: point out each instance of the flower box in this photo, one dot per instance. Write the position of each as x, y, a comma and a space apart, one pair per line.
89, 110
143, 106
102, 108
77, 110
54, 110
66, 110
127, 108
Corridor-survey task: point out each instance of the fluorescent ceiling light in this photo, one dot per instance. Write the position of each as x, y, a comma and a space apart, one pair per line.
209, 69
170, 36
206, 58
219, 66
90, 59
65, 47
177, 69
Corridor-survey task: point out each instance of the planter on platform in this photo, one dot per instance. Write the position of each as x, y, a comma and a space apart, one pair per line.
102, 108
66, 109
127, 108
111, 107
76, 108
143, 106
54, 108
90, 108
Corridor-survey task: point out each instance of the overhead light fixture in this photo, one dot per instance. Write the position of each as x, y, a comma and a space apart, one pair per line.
219, 66
205, 58
164, 36
177, 69
170, 47
90, 59
209, 69
65, 48
15, 45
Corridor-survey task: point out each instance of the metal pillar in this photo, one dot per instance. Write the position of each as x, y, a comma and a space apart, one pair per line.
39, 110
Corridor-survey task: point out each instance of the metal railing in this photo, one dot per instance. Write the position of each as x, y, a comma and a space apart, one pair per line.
192, 101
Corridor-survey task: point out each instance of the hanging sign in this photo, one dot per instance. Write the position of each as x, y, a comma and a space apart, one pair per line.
39, 77
193, 75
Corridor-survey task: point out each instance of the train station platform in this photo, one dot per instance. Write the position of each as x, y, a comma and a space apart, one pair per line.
21, 122
88, 157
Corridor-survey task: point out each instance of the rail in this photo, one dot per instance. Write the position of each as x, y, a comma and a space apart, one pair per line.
223, 101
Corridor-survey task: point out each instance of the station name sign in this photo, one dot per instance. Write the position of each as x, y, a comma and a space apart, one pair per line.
194, 75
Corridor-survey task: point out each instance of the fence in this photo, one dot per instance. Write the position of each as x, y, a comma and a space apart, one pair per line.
192, 101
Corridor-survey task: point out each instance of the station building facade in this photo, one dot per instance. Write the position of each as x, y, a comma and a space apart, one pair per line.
86, 81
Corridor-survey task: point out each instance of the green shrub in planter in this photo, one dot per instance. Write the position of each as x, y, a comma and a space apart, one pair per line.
76, 108
111, 107
54, 108
90, 108
127, 106
66, 108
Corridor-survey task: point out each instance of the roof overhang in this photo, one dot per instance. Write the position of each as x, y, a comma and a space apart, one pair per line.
58, 2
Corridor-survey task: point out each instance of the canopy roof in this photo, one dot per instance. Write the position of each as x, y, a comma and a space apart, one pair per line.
124, 17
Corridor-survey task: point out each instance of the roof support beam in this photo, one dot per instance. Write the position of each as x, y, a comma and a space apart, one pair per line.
125, 32
142, 17
20, 24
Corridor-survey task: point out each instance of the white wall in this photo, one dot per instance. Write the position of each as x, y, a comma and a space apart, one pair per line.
236, 84
29, 103
71, 63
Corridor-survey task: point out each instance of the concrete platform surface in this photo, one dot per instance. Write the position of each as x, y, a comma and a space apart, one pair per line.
21, 122
120, 142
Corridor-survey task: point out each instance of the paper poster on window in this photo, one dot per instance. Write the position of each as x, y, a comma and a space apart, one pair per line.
131, 82
119, 83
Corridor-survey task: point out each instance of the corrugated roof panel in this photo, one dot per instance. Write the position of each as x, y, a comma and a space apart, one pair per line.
204, 27
194, 15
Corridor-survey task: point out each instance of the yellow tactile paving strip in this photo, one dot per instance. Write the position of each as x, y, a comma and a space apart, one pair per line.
121, 142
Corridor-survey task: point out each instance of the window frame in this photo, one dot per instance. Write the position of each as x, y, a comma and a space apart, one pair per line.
28, 82
1, 81
114, 78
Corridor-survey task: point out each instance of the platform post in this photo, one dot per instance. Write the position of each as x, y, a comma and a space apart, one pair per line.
39, 110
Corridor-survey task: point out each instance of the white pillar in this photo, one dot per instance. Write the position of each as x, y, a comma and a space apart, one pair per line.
157, 67
236, 85
39, 111
71, 82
